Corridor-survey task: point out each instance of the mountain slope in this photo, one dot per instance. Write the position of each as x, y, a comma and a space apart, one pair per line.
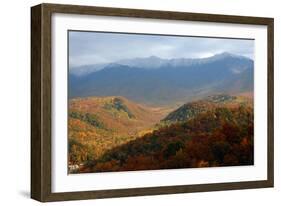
192, 109
115, 134
220, 137
98, 124
115, 112
173, 81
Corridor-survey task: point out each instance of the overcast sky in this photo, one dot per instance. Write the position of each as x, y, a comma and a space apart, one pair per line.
97, 47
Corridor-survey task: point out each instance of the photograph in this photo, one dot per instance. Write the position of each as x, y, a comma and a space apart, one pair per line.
133, 102
151, 102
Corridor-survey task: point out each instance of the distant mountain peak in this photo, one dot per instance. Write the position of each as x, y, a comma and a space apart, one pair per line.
227, 54
150, 62
224, 54
116, 66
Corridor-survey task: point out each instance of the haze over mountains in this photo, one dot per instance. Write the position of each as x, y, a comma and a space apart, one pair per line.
157, 81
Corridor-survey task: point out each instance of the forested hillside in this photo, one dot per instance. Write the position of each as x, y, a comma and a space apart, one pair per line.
97, 124
214, 131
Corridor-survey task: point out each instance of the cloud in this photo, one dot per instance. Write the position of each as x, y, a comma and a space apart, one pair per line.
99, 47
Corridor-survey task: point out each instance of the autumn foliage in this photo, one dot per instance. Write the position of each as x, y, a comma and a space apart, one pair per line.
221, 136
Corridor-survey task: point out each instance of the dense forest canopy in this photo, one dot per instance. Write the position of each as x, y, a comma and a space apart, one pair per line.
115, 134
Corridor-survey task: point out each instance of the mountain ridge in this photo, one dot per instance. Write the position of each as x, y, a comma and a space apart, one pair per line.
151, 62
192, 109
169, 84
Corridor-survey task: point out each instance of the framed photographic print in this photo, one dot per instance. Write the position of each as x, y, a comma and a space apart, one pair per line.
130, 102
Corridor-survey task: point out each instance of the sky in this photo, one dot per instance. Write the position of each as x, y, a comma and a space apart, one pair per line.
87, 48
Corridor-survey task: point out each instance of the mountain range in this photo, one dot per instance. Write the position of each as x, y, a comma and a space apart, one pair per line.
157, 81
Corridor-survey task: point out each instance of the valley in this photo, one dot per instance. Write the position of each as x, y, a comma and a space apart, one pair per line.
114, 133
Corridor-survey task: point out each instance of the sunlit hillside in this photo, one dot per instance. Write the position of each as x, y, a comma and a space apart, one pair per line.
115, 134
